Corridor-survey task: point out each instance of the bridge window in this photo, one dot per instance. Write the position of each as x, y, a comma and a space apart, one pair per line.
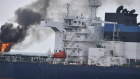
82, 23
75, 21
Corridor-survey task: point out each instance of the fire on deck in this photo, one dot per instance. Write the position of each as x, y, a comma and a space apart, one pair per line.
5, 47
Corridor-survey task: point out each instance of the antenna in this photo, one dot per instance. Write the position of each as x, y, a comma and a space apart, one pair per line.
68, 9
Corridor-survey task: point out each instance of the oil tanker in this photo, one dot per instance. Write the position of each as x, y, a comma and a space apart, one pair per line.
84, 49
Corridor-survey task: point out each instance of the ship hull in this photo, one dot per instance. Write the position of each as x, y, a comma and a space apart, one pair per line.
51, 71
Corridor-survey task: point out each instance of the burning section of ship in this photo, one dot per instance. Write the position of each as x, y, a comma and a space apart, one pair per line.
5, 47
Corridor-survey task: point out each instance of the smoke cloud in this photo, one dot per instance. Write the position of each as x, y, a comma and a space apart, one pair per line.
25, 17
11, 34
77, 7
41, 6
57, 9
124, 2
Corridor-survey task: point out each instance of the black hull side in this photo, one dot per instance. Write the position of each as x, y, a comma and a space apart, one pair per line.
51, 71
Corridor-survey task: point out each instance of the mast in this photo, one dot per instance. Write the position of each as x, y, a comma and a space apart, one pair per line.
68, 6
94, 4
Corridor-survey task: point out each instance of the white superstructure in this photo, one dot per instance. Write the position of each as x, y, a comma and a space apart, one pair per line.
83, 41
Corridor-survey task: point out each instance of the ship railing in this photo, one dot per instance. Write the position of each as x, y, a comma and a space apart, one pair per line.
24, 59
117, 39
76, 59
81, 40
78, 32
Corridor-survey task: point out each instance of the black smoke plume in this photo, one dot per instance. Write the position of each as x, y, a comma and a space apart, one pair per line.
9, 33
41, 6
25, 17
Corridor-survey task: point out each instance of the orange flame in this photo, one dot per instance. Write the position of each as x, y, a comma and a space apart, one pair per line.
6, 47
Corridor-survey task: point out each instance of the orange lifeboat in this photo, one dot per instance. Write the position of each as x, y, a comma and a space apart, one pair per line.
61, 54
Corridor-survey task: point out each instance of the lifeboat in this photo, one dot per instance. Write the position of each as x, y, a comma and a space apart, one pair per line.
61, 54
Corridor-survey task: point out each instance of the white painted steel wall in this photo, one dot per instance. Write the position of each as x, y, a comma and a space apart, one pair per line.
58, 41
94, 55
130, 50
138, 51
119, 48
